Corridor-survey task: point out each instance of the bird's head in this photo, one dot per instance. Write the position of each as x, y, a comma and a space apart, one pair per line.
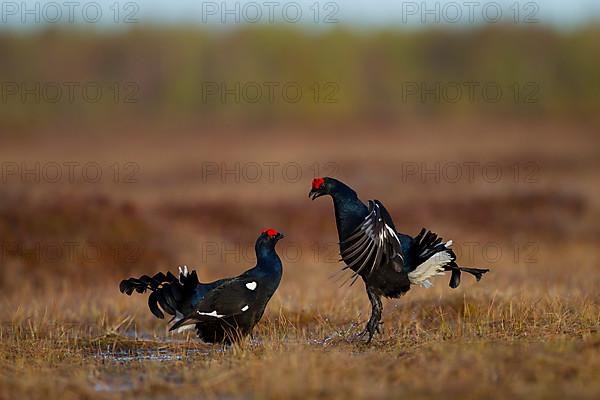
332, 187
269, 237
323, 186
319, 188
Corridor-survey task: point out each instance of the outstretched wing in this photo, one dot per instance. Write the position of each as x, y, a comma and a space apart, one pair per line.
371, 242
231, 298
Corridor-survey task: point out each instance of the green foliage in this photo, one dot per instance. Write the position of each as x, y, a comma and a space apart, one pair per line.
344, 76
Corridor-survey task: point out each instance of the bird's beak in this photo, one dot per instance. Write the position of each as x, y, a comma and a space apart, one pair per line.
313, 194
279, 236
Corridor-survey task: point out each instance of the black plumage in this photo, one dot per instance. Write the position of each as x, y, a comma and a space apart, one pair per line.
220, 311
388, 261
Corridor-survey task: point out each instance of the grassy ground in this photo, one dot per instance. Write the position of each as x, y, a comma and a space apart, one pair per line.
470, 344
528, 329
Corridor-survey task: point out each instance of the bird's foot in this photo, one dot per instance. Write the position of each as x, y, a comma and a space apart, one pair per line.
360, 337
369, 331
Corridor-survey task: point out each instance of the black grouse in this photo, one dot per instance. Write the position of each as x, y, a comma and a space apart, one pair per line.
220, 311
389, 262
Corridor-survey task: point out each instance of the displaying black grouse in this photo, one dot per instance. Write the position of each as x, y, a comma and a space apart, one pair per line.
221, 311
389, 262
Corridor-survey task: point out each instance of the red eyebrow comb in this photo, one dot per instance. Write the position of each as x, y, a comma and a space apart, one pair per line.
317, 183
270, 232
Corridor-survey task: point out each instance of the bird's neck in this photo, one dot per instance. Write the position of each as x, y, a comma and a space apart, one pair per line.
267, 260
349, 213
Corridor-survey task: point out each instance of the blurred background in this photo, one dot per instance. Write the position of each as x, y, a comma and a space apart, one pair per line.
137, 136
151, 131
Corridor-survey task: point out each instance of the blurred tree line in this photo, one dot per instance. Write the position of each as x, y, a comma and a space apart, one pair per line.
277, 75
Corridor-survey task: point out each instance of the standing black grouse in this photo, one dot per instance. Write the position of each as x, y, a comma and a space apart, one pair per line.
221, 311
387, 261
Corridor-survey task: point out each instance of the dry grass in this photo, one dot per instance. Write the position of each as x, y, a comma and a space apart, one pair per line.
528, 330
483, 342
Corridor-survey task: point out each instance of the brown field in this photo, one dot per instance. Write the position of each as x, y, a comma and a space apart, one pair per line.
529, 329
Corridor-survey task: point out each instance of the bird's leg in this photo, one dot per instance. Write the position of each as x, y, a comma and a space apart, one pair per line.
375, 320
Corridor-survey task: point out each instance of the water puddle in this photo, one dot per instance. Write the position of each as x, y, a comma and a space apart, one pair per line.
109, 387
160, 355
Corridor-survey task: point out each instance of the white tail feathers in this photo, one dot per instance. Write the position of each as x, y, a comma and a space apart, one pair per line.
183, 273
178, 317
432, 267
184, 328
